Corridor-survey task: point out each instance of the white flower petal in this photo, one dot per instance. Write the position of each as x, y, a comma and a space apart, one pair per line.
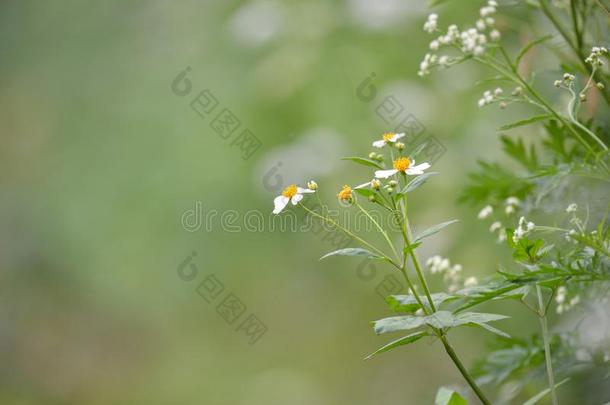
397, 137
304, 190
419, 169
296, 198
280, 203
363, 185
379, 144
384, 174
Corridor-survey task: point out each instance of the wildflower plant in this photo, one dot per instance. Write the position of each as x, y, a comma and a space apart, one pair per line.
560, 247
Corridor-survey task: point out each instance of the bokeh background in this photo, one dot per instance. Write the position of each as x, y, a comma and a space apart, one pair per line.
102, 161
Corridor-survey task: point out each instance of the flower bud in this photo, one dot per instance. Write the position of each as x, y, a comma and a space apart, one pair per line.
373, 156
401, 146
312, 185
393, 183
375, 184
600, 85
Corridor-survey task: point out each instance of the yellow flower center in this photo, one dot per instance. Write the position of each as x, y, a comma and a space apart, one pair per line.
290, 191
388, 136
402, 164
345, 194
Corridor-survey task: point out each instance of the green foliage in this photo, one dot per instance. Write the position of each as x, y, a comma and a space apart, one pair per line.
447, 396
352, 252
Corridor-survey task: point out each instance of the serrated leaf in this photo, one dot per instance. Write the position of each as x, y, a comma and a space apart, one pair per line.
364, 161
397, 323
433, 229
526, 121
416, 182
447, 396
352, 252
414, 337
408, 303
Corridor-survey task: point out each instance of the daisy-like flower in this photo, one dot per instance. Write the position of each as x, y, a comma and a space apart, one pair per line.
388, 137
291, 193
403, 165
345, 194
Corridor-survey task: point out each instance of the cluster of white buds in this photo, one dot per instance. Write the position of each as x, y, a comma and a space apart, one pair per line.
426, 64
523, 229
595, 59
563, 304
471, 41
572, 208
497, 227
486, 212
451, 273
490, 97
567, 81
511, 205
471, 281
431, 23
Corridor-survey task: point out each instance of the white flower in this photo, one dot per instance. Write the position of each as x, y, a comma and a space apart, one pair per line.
434, 45
431, 24
486, 212
495, 35
513, 201
443, 60
403, 165
480, 25
388, 137
510, 209
495, 226
572, 208
471, 282
291, 193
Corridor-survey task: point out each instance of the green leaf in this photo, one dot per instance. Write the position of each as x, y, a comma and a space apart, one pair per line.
416, 182
543, 393
396, 323
526, 121
438, 320
433, 229
352, 252
412, 246
447, 396
364, 161
408, 303
406, 340
529, 46
480, 319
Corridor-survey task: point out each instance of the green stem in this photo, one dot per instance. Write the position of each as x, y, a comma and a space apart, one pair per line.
348, 232
463, 370
383, 232
575, 47
547, 345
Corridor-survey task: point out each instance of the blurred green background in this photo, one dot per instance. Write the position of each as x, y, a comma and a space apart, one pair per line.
101, 160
